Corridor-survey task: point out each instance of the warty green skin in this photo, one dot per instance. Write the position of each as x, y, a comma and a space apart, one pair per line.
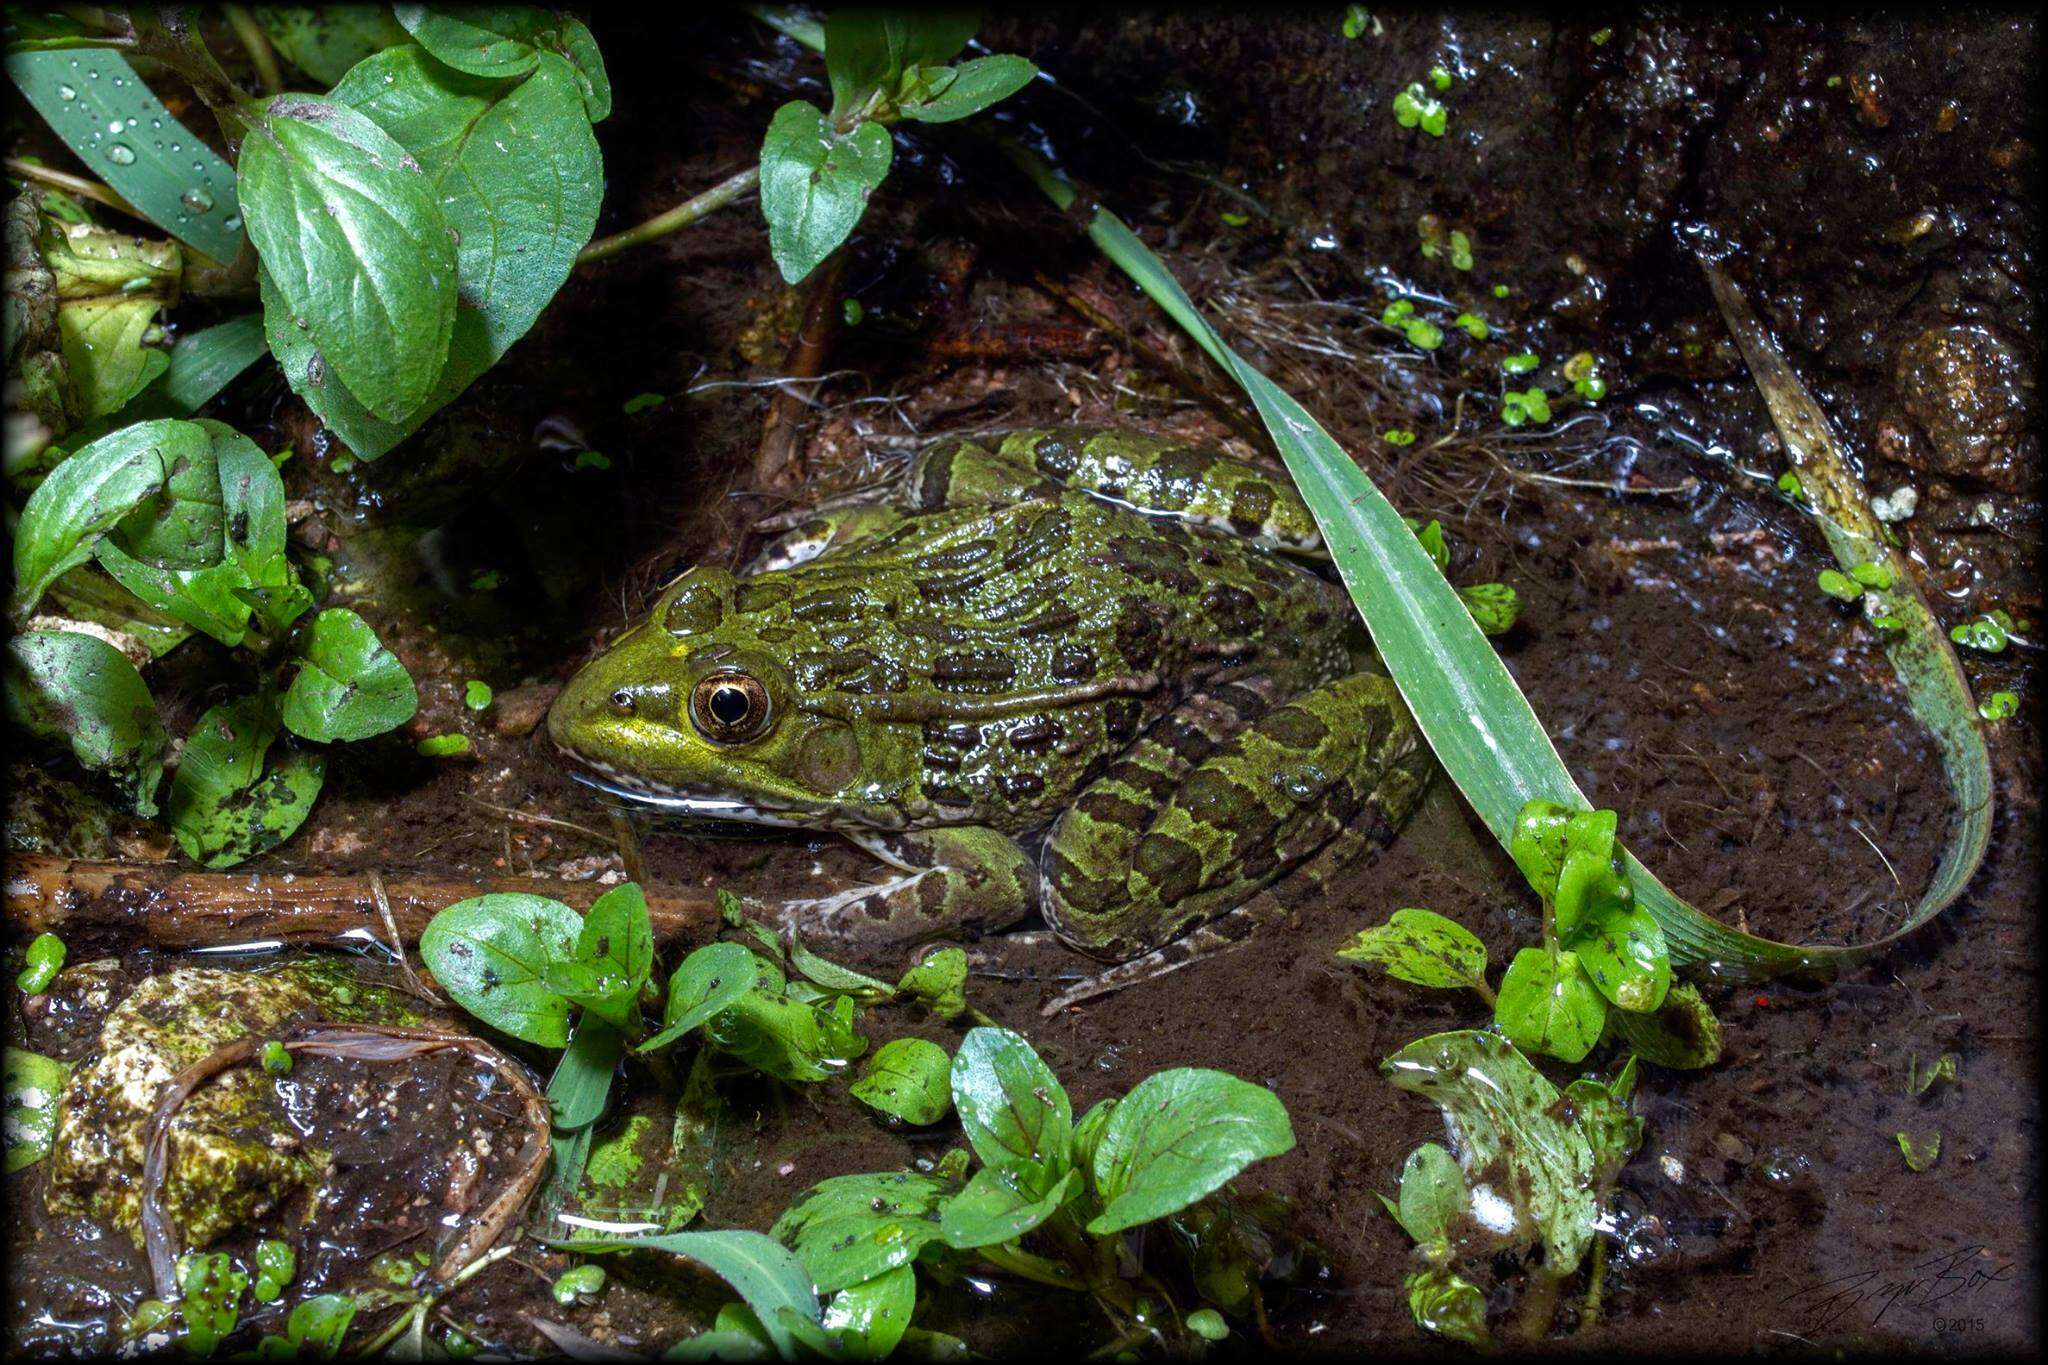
1094, 637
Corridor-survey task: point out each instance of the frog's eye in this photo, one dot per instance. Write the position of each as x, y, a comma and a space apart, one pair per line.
729, 707
622, 702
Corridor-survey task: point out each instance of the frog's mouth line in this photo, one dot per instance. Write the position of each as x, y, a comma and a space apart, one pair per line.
704, 807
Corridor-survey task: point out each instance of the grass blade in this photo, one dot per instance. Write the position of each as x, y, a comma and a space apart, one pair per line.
95, 102
1465, 701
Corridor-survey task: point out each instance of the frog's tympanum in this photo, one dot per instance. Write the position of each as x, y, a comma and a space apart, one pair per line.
234, 1153
1083, 673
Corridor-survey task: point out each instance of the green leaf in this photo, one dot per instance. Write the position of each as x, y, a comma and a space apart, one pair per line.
939, 983
1548, 1005
1920, 1154
87, 593
1494, 606
1015, 1112
1683, 1034
768, 1277
212, 1286
1423, 948
202, 364
81, 690
1944, 1068
851, 1228
225, 805
320, 1323
355, 244
34, 1084
1088, 1133
110, 288
1612, 1133
324, 41
969, 88
166, 173
1433, 1195
583, 1076
481, 40
1505, 1126
871, 49
870, 1318
1179, 1135
348, 685
815, 184
709, 981
212, 547
518, 177
1444, 1303
1622, 951
790, 1040
907, 1078
993, 1210
491, 954
832, 977
87, 495
614, 957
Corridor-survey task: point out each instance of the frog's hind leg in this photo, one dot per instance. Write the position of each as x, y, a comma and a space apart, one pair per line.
953, 881
1319, 778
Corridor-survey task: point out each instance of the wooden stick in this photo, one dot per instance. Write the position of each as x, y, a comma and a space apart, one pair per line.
164, 905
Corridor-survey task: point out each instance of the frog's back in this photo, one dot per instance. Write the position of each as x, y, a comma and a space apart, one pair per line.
1033, 641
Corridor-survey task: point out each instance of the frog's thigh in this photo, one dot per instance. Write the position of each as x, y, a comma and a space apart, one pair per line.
955, 881
1124, 877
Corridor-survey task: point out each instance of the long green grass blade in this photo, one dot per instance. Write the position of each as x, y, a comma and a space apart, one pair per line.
1465, 701
95, 102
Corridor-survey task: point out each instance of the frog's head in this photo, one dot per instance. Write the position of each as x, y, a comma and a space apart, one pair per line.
690, 713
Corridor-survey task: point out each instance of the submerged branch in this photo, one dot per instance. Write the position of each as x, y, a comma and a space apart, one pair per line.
162, 905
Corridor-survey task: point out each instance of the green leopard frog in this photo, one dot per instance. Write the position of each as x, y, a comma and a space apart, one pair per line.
1083, 674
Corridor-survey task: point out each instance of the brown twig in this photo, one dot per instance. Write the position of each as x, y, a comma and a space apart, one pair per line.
778, 463
357, 1042
162, 905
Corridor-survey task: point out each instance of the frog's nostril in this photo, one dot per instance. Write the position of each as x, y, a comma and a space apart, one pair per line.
622, 702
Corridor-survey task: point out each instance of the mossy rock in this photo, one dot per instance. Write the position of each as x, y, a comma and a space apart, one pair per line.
233, 1155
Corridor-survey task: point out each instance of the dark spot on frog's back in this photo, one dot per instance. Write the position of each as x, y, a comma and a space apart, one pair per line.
1121, 717
1296, 727
1172, 866
973, 670
1074, 663
1233, 610
1057, 455
1139, 632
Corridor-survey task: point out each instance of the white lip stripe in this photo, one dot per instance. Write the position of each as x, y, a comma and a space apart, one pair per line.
708, 807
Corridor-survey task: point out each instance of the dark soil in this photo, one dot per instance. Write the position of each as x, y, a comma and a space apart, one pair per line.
1744, 725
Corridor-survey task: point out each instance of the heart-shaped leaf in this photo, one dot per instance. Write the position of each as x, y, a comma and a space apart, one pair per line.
1177, 1136
491, 953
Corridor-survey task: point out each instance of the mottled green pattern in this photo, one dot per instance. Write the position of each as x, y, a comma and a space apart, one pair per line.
1088, 634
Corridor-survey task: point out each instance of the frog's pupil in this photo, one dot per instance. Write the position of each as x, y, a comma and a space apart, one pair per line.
729, 705
622, 701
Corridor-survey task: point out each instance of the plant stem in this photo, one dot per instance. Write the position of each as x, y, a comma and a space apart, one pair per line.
257, 44
72, 184
681, 216
1596, 1281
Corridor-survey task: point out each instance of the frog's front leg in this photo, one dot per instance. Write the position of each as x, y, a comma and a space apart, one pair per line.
951, 882
1166, 856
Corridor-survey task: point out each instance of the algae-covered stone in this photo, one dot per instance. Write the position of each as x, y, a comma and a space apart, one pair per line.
233, 1154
